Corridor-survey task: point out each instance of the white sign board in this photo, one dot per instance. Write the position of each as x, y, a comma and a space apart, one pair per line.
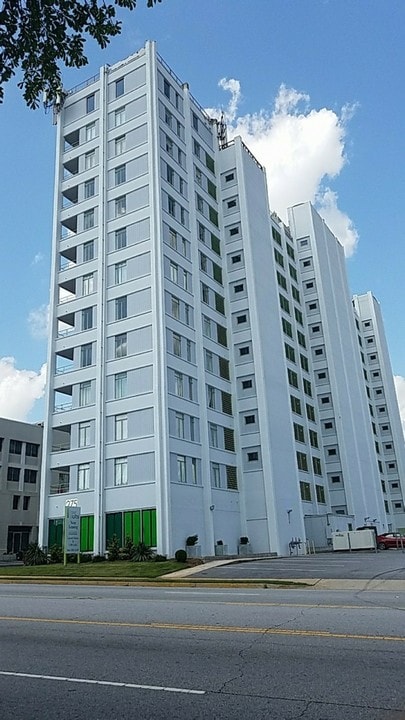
72, 529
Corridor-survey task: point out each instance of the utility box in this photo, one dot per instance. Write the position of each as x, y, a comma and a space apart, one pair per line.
362, 539
340, 541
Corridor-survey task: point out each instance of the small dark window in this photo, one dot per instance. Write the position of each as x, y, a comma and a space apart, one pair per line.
246, 384
252, 456
244, 351
250, 419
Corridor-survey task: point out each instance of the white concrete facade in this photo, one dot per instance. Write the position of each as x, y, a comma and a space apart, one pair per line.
350, 458
182, 394
384, 412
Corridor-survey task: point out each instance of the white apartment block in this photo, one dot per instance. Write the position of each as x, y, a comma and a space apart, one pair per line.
183, 394
383, 407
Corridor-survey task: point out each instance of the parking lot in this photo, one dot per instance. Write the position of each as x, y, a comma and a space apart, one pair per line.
387, 564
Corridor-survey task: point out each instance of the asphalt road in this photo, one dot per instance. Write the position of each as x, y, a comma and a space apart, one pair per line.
387, 564
114, 653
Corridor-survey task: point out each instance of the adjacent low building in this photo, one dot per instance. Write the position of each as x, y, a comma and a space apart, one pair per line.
20, 464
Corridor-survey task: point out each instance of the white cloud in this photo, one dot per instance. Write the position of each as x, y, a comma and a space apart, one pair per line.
302, 149
400, 390
19, 389
37, 258
38, 322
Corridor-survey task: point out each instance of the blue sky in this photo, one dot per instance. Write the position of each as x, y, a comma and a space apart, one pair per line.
341, 66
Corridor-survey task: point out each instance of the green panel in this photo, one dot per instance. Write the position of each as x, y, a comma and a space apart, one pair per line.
153, 528
127, 525
132, 525
55, 533
114, 526
86, 533
146, 527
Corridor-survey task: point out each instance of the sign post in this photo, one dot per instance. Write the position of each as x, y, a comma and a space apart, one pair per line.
71, 543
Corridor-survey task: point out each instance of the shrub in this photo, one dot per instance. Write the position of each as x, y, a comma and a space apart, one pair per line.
86, 557
180, 556
192, 540
55, 554
113, 547
142, 553
128, 549
160, 558
192, 562
34, 555
98, 558
244, 540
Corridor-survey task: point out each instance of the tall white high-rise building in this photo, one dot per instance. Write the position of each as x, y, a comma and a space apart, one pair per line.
383, 407
183, 394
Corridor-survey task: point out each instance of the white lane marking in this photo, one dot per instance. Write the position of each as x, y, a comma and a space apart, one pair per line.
103, 682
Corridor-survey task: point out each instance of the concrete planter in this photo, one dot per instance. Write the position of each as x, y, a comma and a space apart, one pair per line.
221, 550
193, 551
244, 549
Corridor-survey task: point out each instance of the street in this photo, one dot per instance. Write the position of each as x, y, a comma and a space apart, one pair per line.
119, 652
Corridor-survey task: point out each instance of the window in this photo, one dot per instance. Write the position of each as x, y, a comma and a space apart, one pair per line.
120, 342
316, 464
211, 397
207, 326
13, 474
253, 456
299, 433
290, 251
222, 335
234, 231
276, 235
304, 363
30, 476
120, 206
88, 251
84, 393
175, 307
16, 501
246, 384
181, 469
90, 131
120, 471
121, 308
31, 449
120, 174
26, 502
15, 447
120, 272
90, 103
229, 177
119, 87
86, 355
298, 316
216, 475
179, 417
166, 88
120, 145
231, 204
121, 427
292, 378
83, 476
229, 439
305, 491
231, 477
236, 259
171, 206
295, 405
313, 438
224, 368
244, 351
250, 419
88, 219
120, 238
226, 399
284, 304
174, 272
278, 258
87, 318
295, 293
301, 339
307, 387
120, 385
320, 493
178, 384
240, 319
302, 461
310, 412
89, 159
84, 434
293, 273
89, 188
209, 362
88, 284
287, 327
281, 280
119, 116
213, 435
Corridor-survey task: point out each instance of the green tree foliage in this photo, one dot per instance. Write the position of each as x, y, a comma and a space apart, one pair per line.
39, 36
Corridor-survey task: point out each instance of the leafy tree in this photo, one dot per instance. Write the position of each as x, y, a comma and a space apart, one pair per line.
39, 35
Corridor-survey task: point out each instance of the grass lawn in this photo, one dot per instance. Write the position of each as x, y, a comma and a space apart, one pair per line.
119, 569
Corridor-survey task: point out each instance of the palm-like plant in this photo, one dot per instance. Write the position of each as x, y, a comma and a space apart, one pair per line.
142, 553
34, 555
